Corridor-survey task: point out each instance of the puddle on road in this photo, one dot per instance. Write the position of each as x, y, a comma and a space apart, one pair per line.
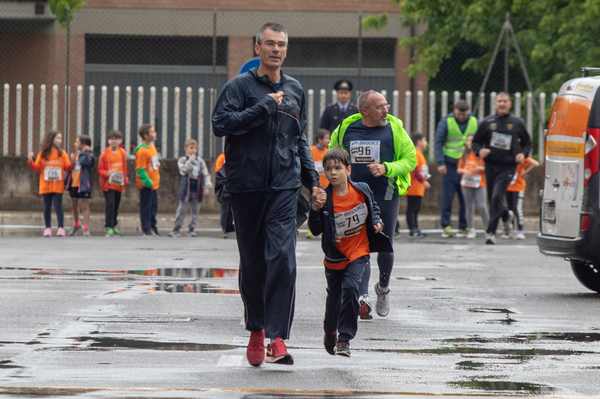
170, 280
507, 320
504, 387
470, 365
417, 278
101, 343
580, 337
492, 310
7, 364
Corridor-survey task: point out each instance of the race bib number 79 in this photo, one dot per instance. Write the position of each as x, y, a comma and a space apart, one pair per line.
349, 223
365, 151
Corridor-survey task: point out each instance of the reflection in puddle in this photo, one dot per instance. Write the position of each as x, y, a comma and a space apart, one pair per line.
491, 310
504, 386
120, 343
508, 320
531, 337
170, 280
7, 364
469, 365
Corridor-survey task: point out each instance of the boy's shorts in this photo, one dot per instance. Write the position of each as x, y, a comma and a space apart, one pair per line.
74, 193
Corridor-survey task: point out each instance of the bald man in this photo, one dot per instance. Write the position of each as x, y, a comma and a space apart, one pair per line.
383, 156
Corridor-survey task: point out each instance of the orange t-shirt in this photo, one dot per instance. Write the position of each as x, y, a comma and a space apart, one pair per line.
146, 157
417, 188
518, 183
317, 156
220, 162
470, 163
113, 169
76, 175
52, 171
350, 213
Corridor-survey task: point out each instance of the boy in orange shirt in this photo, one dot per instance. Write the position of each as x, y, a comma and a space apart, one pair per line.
114, 176
350, 221
473, 186
416, 191
147, 179
515, 194
318, 152
51, 163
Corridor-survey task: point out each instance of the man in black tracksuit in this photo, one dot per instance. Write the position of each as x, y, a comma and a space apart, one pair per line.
262, 115
502, 141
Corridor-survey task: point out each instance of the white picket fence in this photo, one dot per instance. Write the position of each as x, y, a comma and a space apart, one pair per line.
22, 121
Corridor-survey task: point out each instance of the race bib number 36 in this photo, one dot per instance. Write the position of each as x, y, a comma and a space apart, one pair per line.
365, 151
501, 141
349, 223
52, 173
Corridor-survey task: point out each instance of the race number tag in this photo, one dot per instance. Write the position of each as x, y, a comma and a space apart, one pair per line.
116, 178
471, 181
52, 173
365, 151
319, 167
155, 162
501, 141
349, 223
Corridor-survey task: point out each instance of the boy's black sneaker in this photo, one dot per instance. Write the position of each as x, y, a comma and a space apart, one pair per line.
343, 348
329, 341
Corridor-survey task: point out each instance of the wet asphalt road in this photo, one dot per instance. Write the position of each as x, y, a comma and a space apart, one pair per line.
160, 317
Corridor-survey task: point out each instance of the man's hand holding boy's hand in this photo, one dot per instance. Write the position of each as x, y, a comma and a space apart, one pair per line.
378, 228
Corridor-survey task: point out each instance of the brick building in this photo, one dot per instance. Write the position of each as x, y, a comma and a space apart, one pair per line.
200, 43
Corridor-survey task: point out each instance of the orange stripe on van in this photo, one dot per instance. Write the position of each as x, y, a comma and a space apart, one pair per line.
565, 149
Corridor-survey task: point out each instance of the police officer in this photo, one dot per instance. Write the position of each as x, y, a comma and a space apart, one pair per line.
383, 156
262, 115
450, 138
502, 141
335, 113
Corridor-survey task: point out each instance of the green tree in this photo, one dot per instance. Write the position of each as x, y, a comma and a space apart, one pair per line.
557, 37
65, 10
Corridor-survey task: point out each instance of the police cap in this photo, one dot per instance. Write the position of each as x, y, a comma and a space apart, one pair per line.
343, 85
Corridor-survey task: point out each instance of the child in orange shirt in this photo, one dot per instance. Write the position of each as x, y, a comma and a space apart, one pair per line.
51, 163
114, 176
147, 179
473, 186
318, 152
515, 194
416, 191
350, 221
79, 183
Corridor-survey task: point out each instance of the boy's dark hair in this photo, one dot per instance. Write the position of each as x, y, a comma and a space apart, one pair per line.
461, 105
416, 137
115, 134
322, 133
145, 130
337, 155
85, 140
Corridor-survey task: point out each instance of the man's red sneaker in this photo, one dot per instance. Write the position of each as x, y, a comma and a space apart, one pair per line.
255, 352
277, 353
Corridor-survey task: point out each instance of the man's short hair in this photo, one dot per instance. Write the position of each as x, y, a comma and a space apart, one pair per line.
337, 155
462, 105
275, 27
504, 94
85, 140
363, 99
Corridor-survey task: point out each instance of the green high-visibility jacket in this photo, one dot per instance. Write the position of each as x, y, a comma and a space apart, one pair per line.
456, 139
405, 158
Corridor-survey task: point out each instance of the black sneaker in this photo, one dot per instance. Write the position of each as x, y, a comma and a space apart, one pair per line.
155, 232
329, 341
343, 348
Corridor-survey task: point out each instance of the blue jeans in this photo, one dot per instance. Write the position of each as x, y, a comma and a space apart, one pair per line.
451, 186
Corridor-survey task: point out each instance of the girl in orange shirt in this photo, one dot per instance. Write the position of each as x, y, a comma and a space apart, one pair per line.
51, 163
473, 186
416, 191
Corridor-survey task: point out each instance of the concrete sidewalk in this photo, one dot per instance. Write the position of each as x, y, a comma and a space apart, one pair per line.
129, 222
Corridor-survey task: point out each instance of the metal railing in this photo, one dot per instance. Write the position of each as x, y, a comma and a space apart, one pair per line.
29, 111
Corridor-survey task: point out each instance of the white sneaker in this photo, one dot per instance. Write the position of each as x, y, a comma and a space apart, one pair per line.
448, 232
382, 306
490, 239
520, 235
472, 233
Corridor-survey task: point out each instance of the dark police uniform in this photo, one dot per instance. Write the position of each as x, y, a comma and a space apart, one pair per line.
336, 113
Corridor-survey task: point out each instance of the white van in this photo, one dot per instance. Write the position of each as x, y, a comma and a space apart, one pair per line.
570, 204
